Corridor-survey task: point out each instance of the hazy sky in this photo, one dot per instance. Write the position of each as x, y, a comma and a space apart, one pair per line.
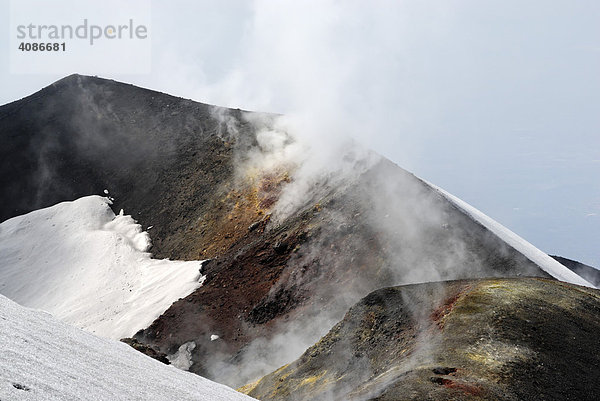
498, 102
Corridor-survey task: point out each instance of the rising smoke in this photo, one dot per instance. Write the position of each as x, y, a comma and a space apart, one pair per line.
381, 223
376, 226
383, 226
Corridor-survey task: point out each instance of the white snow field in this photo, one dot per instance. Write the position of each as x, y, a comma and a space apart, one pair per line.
89, 268
545, 262
43, 358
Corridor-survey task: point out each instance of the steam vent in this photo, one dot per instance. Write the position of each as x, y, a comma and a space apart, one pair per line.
289, 276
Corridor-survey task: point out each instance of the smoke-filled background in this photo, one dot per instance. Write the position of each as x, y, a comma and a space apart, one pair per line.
494, 101
374, 226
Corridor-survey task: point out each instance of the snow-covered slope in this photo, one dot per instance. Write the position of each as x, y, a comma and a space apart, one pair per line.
90, 268
547, 263
45, 359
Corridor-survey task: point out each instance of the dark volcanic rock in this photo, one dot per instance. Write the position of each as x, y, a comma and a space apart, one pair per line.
144, 349
162, 158
264, 282
178, 166
501, 339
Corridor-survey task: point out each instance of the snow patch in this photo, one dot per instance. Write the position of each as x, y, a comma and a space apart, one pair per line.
90, 268
45, 359
182, 359
545, 262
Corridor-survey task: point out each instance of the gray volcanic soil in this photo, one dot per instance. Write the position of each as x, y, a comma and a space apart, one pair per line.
176, 165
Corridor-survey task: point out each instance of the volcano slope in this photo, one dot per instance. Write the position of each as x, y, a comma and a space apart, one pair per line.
500, 339
290, 253
45, 359
587, 272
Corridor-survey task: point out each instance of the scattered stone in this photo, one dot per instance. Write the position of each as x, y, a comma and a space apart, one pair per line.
280, 247
21, 387
147, 350
440, 380
443, 371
